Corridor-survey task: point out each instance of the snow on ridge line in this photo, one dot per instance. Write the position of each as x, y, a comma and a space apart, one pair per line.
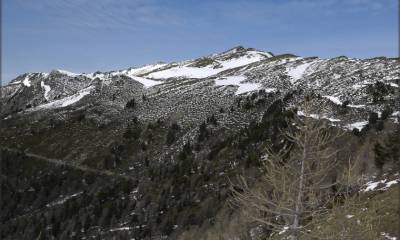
203, 72
144, 69
237, 81
71, 74
64, 102
15, 82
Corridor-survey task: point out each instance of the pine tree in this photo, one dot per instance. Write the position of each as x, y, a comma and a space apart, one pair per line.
296, 182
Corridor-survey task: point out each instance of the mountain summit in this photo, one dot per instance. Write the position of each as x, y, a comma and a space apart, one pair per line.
237, 71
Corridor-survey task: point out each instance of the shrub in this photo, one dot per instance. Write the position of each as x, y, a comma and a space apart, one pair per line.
130, 103
172, 132
203, 132
373, 118
379, 125
380, 155
386, 113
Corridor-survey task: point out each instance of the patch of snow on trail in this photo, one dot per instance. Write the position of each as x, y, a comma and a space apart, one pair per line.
236, 80
120, 229
63, 200
46, 90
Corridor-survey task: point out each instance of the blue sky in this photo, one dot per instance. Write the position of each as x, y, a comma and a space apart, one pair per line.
90, 35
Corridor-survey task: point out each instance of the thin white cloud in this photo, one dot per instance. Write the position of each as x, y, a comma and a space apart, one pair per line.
104, 13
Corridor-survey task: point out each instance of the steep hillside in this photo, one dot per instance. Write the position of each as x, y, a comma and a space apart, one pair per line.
147, 152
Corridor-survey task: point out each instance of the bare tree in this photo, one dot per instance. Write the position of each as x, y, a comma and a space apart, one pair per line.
297, 181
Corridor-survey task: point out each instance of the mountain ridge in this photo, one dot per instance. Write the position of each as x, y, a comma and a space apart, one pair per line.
176, 132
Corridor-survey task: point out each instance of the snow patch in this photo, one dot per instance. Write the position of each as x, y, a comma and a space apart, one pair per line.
371, 185
16, 82
47, 89
45, 75
100, 76
387, 236
146, 82
120, 229
237, 81
317, 116
356, 106
207, 71
68, 73
63, 200
143, 70
298, 72
26, 81
285, 228
64, 102
358, 125
333, 99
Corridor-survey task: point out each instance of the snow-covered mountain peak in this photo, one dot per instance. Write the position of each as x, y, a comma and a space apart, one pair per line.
211, 65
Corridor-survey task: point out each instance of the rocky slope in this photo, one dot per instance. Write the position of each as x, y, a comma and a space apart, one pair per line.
145, 152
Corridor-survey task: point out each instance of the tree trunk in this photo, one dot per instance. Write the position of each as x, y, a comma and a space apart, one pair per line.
296, 220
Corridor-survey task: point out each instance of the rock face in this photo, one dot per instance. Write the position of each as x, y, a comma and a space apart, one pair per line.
172, 131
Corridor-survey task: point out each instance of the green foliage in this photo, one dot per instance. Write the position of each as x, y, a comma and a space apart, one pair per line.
212, 120
386, 112
132, 132
373, 118
380, 155
389, 151
172, 133
203, 132
131, 103
203, 62
379, 126
379, 91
